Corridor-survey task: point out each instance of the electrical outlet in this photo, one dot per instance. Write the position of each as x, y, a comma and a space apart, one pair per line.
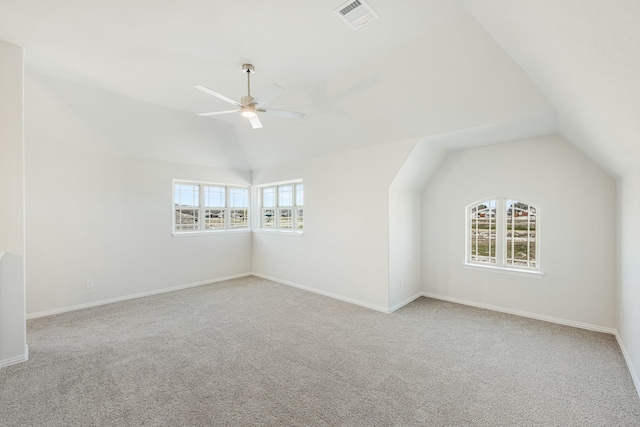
90, 283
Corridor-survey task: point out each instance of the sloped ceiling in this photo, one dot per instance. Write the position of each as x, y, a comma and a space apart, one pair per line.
585, 57
424, 68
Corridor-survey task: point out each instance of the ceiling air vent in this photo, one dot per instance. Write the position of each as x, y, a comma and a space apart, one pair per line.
356, 13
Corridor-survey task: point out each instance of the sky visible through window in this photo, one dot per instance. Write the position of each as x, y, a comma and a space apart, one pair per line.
187, 195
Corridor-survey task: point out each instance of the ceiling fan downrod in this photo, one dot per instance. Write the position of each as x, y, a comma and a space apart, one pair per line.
249, 69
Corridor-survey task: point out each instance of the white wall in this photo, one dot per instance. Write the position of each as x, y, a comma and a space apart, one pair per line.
96, 211
405, 218
629, 270
344, 251
12, 314
11, 149
577, 230
405, 259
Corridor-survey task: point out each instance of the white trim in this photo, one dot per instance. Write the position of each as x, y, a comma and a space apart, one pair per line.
503, 270
278, 232
133, 296
530, 315
201, 233
324, 293
627, 359
272, 184
405, 302
17, 359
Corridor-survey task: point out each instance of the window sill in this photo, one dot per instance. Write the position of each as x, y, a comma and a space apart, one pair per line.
533, 274
209, 233
279, 232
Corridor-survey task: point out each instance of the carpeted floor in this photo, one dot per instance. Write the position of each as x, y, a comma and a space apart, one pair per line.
251, 352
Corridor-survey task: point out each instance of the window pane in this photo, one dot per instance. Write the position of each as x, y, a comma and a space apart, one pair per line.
239, 218
268, 218
238, 198
299, 218
285, 195
286, 218
299, 194
187, 195
214, 197
269, 197
532, 238
186, 219
214, 219
482, 224
521, 234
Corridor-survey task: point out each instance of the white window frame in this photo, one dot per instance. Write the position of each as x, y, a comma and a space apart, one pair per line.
258, 213
201, 209
501, 266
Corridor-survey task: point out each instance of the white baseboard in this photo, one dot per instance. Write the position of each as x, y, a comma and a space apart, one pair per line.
634, 374
551, 319
326, 294
405, 302
133, 296
17, 359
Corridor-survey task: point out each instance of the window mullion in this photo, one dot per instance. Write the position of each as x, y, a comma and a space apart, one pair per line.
277, 209
477, 233
227, 210
513, 236
500, 233
528, 236
201, 223
293, 207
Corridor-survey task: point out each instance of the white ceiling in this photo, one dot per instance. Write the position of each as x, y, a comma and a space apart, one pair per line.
585, 57
424, 68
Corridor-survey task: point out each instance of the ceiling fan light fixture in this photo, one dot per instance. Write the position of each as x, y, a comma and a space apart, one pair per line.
248, 112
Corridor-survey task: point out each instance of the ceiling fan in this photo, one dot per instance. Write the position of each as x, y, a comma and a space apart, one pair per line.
248, 106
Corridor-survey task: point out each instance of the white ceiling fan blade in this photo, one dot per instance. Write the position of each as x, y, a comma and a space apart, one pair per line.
272, 93
255, 122
216, 113
281, 113
217, 95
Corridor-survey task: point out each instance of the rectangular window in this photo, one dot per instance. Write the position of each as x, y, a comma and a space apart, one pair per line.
187, 207
209, 207
282, 207
521, 234
239, 206
214, 207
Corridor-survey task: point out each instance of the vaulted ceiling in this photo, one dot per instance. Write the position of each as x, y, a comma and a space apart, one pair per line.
425, 68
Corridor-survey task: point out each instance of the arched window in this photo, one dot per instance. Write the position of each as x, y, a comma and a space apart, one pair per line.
503, 232
482, 226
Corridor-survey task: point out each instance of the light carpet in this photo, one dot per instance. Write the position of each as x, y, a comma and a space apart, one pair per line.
250, 352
